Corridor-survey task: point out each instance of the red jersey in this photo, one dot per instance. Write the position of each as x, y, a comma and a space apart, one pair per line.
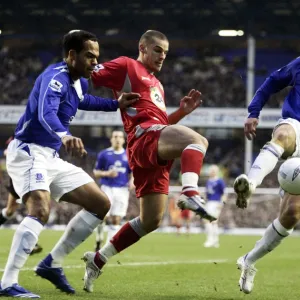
128, 75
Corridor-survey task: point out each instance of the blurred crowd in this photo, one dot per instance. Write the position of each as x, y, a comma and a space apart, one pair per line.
221, 82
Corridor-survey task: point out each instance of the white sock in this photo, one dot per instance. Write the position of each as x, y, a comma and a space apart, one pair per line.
100, 233
215, 232
209, 231
112, 230
4, 214
79, 229
273, 236
190, 179
23, 242
265, 163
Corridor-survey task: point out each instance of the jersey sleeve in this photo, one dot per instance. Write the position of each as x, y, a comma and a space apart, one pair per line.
52, 90
100, 165
95, 103
111, 74
277, 81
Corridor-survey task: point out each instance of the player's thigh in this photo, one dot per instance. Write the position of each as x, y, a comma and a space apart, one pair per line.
175, 138
90, 197
152, 208
27, 167
287, 135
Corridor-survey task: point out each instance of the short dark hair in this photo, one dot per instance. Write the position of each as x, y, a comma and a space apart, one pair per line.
74, 40
149, 35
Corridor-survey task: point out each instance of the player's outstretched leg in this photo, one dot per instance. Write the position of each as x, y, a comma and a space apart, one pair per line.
24, 240
152, 210
96, 205
283, 143
273, 236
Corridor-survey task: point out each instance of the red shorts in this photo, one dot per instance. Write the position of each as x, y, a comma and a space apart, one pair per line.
150, 176
185, 214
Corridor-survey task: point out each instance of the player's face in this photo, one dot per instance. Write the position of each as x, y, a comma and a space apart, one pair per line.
117, 139
155, 53
87, 59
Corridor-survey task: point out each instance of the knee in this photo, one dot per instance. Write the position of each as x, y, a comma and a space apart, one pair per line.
284, 135
291, 213
38, 206
201, 140
151, 224
99, 206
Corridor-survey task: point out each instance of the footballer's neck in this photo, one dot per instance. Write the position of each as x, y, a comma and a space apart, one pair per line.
141, 61
73, 73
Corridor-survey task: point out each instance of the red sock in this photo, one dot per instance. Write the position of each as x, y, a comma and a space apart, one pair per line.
125, 237
191, 164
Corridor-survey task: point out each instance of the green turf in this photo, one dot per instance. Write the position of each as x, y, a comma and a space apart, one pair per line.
278, 275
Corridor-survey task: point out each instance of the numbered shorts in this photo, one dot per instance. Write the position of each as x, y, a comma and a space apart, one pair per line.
119, 197
296, 125
214, 207
150, 176
33, 167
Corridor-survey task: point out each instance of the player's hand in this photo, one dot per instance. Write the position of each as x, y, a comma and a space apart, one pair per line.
127, 99
112, 173
74, 146
190, 102
250, 128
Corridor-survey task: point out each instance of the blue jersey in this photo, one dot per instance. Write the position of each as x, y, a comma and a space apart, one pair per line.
278, 80
53, 103
215, 189
110, 159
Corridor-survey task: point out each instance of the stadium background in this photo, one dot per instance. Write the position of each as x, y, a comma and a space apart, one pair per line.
199, 58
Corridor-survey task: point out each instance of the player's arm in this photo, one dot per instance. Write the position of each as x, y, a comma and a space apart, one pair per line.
99, 171
105, 173
51, 92
94, 103
111, 74
277, 81
187, 104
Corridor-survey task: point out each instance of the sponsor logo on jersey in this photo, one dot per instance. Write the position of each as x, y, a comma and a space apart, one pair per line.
55, 85
98, 68
146, 78
157, 97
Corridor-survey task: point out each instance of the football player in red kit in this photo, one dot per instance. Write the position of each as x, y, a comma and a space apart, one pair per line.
154, 140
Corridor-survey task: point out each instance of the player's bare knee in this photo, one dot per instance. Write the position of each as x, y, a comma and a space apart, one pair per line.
38, 205
285, 136
290, 215
99, 205
151, 224
199, 140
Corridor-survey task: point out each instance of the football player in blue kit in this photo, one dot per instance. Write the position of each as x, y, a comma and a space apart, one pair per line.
115, 177
37, 171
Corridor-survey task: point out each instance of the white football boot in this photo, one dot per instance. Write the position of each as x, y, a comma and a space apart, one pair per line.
92, 272
248, 273
244, 189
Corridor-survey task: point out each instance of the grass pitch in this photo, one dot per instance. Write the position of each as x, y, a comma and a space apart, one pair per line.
169, 267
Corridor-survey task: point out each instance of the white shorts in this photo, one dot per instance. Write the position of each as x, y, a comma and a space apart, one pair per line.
118, 197
214, 207
296, 125
33, 167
